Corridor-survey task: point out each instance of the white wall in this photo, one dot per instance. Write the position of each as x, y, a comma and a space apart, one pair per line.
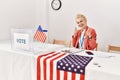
103, 15
16, 14
42, 11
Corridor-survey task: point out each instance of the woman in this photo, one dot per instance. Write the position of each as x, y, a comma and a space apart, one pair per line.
85, 37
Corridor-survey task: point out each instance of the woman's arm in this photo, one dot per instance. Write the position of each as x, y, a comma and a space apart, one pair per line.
90, 41
75, 38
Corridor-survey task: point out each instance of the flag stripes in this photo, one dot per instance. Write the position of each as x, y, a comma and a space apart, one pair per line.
65, 75
39, 66
47, 68
46, 64
40, 36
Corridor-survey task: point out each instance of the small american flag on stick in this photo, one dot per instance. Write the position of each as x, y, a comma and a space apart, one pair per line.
40, 35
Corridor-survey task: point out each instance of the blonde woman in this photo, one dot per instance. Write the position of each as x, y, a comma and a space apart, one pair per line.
85, 37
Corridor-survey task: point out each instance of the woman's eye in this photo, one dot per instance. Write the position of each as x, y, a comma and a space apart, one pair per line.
81, 21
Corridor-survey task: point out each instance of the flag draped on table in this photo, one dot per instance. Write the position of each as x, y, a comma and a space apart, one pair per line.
61, 66
46, 65
73, 67
40, 35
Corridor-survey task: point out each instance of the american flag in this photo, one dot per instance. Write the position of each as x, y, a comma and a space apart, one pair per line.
61, 66
40, 35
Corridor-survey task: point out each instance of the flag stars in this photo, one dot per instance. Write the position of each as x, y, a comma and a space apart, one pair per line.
81, 70
73, 63
61, 64
84, 63
75, 69
58, 66
69, 68
78, 66
72, 66
63, 67
66, 64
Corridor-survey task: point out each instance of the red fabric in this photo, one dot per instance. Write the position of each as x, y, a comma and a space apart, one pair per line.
89, 44
38, 65
40, 36
45, 63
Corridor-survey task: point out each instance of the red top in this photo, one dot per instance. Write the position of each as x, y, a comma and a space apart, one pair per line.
89, 43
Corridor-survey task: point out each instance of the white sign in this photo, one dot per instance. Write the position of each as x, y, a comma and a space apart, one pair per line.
21, 39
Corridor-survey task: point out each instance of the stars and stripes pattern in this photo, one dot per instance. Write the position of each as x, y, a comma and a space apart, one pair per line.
56, 66
40, 35
74, 63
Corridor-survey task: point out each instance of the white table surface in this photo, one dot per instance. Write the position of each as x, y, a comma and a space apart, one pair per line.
107, 68
104, 66
20, 65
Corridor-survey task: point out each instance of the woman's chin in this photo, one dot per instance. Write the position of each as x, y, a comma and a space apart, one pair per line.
79, 28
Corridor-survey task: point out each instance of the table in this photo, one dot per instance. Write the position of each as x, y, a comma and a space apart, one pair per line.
14, 65
104, 66
21, 65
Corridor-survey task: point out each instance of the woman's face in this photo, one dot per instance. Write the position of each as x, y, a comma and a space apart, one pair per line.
81, 22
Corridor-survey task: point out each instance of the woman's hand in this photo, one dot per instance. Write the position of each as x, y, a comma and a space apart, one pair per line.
75, 31
89, 34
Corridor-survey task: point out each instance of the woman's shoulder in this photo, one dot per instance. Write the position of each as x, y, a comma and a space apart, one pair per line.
91, 29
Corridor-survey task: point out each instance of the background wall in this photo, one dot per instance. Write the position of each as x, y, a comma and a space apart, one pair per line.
103, 15
15, 14
21, 14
